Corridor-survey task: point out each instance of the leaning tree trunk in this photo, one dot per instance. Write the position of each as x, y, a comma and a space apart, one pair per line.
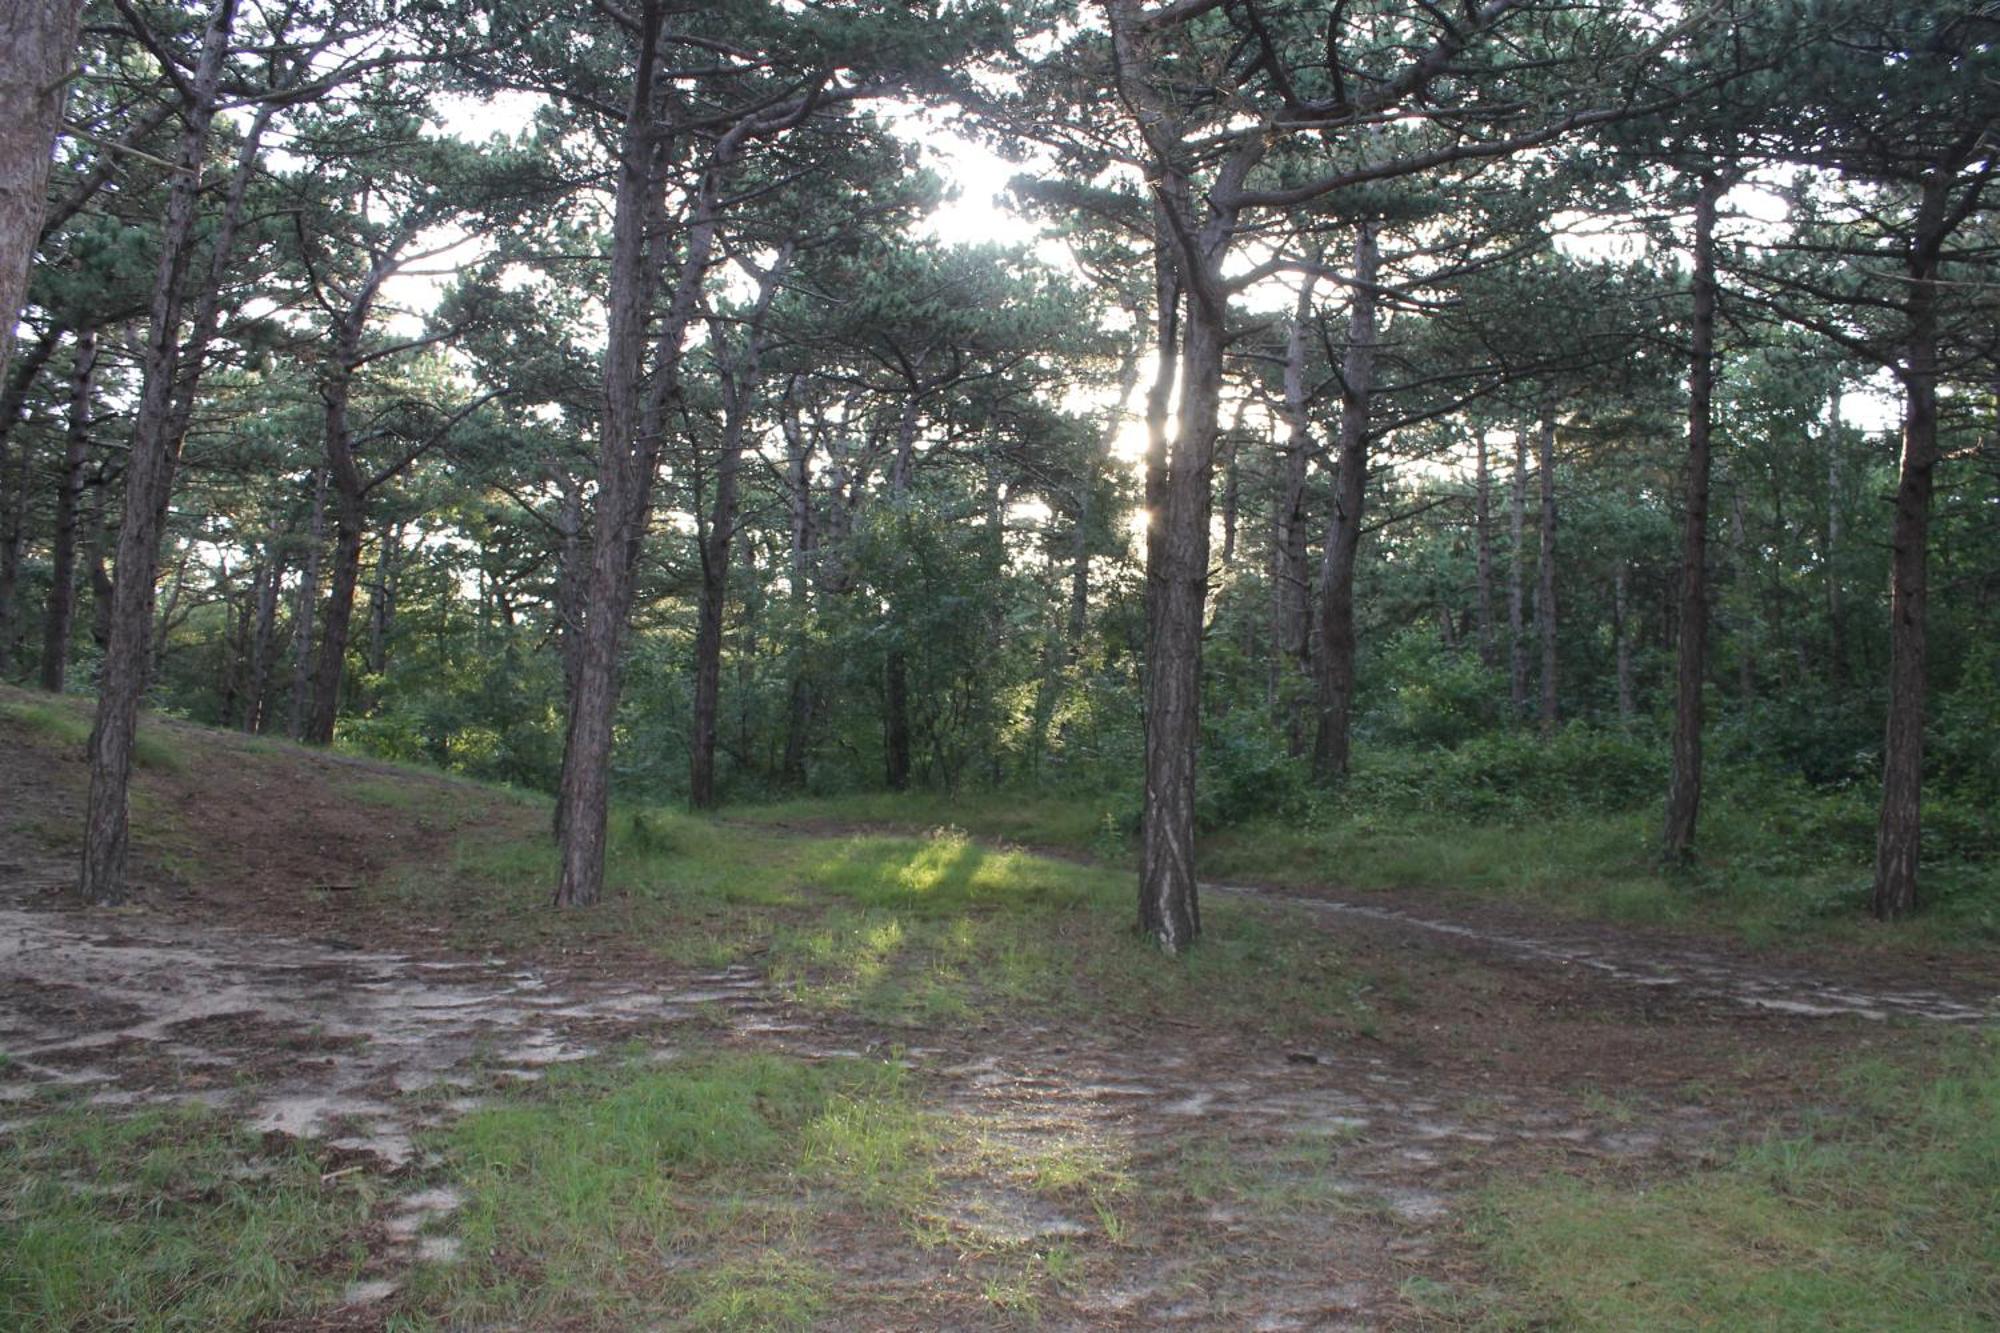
1335, 658
1899, 833
61, 611
1691, 666
148, 483
37, 48
1545, 583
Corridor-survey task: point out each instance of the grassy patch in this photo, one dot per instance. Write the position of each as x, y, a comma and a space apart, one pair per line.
901, 930
628, 1190
1879, 1217
167, 1220
940, 928
60, 723
1775, 865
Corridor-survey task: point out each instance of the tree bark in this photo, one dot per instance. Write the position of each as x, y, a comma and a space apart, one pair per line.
1545, 585
1335, 656
628, 458
37, 50
1169, 911
61, 610
148, 483
1898, 838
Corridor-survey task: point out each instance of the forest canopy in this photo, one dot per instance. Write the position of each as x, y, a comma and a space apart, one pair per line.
1493, 409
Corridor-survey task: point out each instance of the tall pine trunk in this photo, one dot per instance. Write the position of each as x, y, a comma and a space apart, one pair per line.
148, 483
1517, 640
1169, 911
1898, 837
1545, 583
305, 609
1482, 550
740, 375
1335, 657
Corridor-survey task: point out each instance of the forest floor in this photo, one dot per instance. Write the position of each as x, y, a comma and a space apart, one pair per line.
338, 1069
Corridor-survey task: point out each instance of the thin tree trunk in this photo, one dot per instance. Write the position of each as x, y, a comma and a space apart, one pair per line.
305, 613
16, 483
1898, 839
1621, 629
798, 482
1482, 549
13, 535
896, 671
148, 484
1691, 665
349, 530
382, 596
1291, 611
740, 376
629, 448
69, 496
37, 50
1335, 658
1746, 651
1545, 587
1517, 639
270, 574
1836, 648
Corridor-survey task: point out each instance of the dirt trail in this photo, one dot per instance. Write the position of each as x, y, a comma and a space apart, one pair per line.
1322, 1176
1256, 1185
1711, 974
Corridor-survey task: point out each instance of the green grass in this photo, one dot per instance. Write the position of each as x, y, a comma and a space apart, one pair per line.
1770, 873
167, 1220
627, 1190
62, 723
906, 931
1879, 1217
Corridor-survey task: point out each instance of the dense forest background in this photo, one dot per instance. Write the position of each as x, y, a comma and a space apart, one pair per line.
1484, 412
